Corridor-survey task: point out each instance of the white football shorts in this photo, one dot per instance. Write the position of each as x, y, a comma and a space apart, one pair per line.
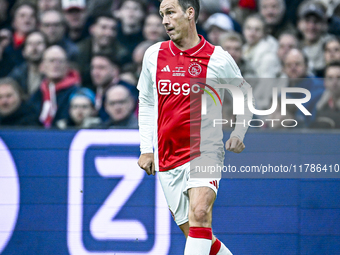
176, 183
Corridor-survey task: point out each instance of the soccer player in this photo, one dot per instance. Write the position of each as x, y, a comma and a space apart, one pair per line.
174, 134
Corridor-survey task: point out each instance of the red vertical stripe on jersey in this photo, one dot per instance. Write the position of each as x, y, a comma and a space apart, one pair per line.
179, 113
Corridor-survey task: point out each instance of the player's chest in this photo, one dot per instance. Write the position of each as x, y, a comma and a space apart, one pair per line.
176, 74
181, 66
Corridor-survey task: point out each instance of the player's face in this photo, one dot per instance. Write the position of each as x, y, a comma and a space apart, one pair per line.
175, 21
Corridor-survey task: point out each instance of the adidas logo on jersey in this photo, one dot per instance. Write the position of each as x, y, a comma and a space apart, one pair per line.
166, 69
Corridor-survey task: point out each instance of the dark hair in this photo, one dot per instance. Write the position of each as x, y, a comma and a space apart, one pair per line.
107, 56
14, 84
289, 32
61, 15
260, 18
332, 64
140, 2
231, 36
185, 4
19, 4
331, 39
42, 35
103, 15
303, 54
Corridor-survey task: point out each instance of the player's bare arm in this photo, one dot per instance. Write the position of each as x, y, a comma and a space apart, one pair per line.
146, 162
234, 144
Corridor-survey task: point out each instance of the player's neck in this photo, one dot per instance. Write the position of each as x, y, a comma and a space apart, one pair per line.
189, 41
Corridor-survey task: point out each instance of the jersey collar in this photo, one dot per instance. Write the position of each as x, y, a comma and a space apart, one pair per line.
191, 52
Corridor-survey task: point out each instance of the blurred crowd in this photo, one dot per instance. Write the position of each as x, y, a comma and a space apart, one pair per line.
75, 63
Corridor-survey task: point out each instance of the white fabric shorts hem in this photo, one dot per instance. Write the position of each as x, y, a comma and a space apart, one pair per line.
176, 183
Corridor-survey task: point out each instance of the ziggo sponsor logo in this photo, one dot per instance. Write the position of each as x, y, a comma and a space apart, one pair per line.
166, 87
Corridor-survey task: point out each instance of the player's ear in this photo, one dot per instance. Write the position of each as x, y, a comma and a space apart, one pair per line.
191, 13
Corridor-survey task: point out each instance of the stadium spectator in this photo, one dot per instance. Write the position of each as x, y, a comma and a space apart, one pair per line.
81, 112
103, 40
52, 100
328, 107
137, 57
273, 12
28, 74
120, 105
331, 49
46, 5
216, 25
313, 25
232, 43
75, 14
14, 111
153, 29
151, 5
241, 9
131, 14
215, 5
24, 21
52, 24
287, 41
105, 72
260, 49
4, 17
296, 69
6, 60
331, 8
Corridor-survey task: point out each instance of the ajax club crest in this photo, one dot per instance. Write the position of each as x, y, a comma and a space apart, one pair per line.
195, 69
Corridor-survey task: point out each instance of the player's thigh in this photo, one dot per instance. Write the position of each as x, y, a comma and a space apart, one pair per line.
202, 188
201, 201
206, 180
174, 183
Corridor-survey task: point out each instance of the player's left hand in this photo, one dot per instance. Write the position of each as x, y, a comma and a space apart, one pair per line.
234, 144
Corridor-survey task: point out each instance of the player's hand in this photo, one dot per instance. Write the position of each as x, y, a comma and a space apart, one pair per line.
146, 162
234, 144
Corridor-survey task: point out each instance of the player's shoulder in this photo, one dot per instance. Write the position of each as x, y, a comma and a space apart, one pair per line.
224, 61
221, 55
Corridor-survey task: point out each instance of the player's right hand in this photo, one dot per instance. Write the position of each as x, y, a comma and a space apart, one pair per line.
146, 162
